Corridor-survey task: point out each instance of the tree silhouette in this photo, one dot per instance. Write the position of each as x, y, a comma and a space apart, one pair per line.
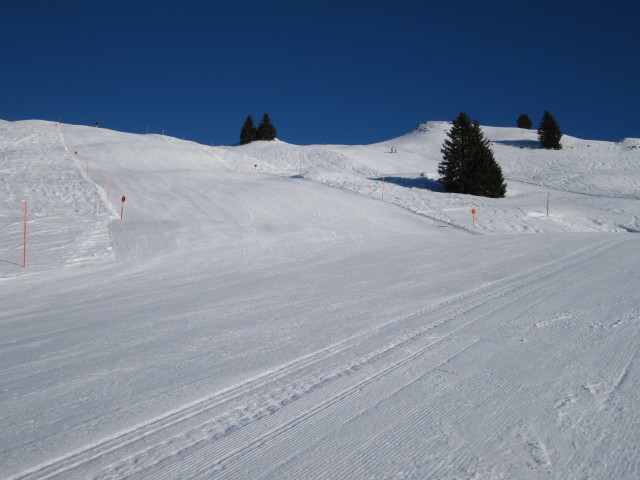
468, 165
549, 132
248, 131
266, 130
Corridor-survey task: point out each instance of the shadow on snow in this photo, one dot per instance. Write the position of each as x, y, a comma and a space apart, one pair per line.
530, 144
420, 182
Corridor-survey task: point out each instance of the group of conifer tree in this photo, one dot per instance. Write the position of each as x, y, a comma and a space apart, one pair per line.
468, 165
265, 131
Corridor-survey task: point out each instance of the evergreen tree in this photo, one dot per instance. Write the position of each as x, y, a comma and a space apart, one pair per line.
266, 130
468, 165
455, 151
524, 122
482, 174
248, 132
549, 132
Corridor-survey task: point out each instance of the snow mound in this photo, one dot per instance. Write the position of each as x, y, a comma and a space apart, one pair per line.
431, 126
630, 143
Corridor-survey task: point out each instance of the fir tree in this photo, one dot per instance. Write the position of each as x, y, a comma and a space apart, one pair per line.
455, 152
524, 122
266, 130
468, 165
549, 132
248, 132
482, 174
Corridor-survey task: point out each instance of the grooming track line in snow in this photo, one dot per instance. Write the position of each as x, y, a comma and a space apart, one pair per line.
215, 434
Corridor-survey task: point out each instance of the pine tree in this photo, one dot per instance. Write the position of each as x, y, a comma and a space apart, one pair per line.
455, 152
266, 130
248, 132
482, 174
524, 122
468, 165
549, 132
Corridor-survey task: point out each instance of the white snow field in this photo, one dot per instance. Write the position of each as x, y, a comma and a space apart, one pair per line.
245, 322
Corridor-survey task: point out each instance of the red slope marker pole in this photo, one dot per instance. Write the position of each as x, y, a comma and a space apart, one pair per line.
24, 243
122, 207
473, 214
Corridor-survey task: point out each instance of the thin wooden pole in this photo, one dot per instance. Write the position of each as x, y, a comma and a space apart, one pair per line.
548, 203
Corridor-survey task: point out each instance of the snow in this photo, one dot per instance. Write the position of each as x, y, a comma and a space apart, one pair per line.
246, 321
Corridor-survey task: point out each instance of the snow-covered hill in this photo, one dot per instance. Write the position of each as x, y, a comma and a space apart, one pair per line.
582, 181
281, 311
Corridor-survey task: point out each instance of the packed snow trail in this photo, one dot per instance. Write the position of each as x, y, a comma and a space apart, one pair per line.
468, 344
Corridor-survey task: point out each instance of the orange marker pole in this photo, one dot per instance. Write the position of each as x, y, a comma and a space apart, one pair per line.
473, 214
24, 248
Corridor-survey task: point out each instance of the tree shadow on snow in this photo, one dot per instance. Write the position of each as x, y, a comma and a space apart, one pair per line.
420, 182
530, 144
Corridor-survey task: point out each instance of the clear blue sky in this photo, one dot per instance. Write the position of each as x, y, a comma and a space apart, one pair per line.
352, 72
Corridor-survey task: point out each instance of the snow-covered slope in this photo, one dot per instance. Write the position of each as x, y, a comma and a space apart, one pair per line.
581, 181
280, 311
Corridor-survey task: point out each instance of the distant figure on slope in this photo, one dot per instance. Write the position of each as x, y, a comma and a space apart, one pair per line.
96, 125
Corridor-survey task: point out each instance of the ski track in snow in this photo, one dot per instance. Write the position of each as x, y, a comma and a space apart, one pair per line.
228, 430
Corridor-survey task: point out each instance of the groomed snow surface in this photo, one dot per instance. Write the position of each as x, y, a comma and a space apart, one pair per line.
275, 311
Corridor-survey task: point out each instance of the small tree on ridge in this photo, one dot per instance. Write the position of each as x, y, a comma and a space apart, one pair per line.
248, 132
549, 132
524, 122
266, 130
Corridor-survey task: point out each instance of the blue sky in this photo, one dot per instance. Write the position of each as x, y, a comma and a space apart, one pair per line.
352, 72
